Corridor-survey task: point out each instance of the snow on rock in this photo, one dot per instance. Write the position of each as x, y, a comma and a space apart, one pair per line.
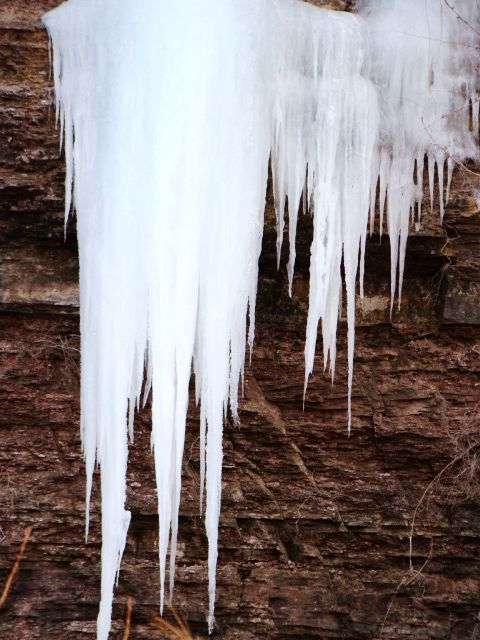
169, 113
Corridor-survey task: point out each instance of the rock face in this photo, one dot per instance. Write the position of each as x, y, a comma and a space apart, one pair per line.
315, 525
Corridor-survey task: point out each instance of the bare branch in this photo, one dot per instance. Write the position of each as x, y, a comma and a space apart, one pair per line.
14, 570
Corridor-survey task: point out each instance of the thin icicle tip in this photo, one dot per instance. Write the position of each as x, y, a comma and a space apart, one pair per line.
169, 113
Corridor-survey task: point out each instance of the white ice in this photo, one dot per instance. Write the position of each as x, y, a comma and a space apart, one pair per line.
170, 112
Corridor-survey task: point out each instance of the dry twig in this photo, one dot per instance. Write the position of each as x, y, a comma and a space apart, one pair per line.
468, 458
461, 18
128, 618
178, 631
14, 570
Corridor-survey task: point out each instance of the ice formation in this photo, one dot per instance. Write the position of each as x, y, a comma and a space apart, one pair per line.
170, 112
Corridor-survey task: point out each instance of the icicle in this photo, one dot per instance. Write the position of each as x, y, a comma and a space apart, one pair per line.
373, 191
450, 167
385, 162
475, 116
441, 183
431, 178
419, 161
421, 58
169, 112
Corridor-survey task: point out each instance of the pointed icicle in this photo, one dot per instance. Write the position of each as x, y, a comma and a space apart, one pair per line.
169, 113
